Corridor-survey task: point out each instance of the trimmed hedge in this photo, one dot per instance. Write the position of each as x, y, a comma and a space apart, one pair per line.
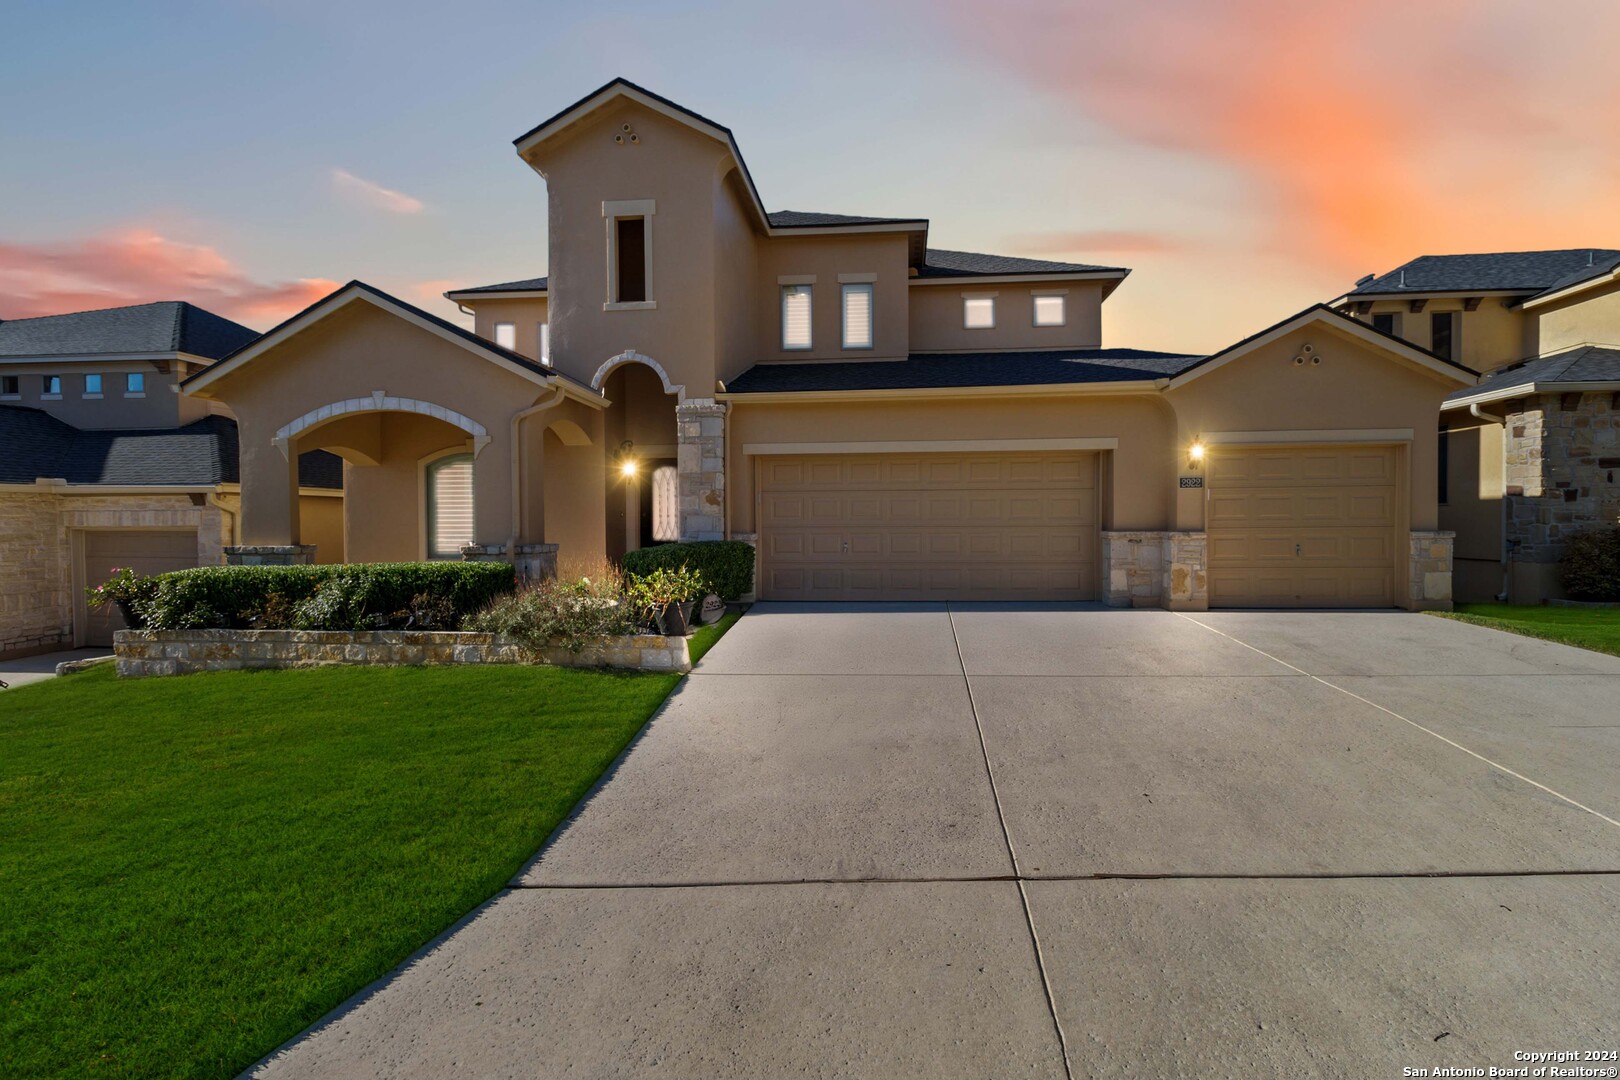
358, 596
727, 565
1590, 568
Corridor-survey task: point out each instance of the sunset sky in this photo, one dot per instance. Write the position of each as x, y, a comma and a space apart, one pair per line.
1245, 157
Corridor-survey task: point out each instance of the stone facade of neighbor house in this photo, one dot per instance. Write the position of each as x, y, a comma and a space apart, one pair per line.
183, 652
1561, 455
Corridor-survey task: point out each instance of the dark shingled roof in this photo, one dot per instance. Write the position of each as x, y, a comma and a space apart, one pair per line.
34, 444
1529, 271
534, 284
164, 327
1582, 364
922, 371
940, 263
807, 219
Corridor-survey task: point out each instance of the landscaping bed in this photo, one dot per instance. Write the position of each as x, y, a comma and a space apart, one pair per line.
197, 869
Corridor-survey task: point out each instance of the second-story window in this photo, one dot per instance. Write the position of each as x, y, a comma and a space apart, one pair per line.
1387, 321
796, 316
506, 335
1443, 334
1050, 310
858, 316
10, 386
53, 386
543, 336
92, 386
631, 235
979, 312
135, 383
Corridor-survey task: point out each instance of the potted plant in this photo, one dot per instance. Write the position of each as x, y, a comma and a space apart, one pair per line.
121, 591
666, 598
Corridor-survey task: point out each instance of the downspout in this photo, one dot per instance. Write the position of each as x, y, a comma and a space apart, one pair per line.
517, 462
1507, 568
213, 500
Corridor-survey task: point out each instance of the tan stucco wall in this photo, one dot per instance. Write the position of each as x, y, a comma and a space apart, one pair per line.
40, 597
160, 408
321, 523
525, 315
1492, 334
349, 354
386, 522
824, 258
936, 317
1353, 388
1473, 507
1593, 318
737, 310
1142, 468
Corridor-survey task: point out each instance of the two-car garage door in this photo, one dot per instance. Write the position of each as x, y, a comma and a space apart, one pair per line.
929, 526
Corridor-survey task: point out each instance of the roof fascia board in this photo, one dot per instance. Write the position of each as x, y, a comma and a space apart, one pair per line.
474, 295
912, 225
1043, 278
348, 296
1543, 299
1140, 386
58, 486
1419, 294
104, 358
1526, 388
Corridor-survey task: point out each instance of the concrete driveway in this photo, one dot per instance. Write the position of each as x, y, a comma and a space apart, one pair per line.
993, 840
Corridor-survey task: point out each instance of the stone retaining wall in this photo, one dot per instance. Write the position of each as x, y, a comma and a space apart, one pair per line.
181, 652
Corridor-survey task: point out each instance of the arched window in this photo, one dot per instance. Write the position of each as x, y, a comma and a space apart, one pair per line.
449, 505
666, 503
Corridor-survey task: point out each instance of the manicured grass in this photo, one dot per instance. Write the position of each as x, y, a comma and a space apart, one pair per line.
194, 869
1588, 628
702, 641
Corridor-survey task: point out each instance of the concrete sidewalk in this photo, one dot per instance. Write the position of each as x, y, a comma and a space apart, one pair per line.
1055, 840
33, 669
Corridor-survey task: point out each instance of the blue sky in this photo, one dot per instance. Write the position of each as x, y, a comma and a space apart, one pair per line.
192, 147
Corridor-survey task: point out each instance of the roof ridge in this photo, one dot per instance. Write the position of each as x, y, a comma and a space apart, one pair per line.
176, 331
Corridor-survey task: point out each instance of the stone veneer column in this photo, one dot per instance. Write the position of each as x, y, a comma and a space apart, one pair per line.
700, 426
1133, 568
531, 562
1429, 570
1186, 578
270, 555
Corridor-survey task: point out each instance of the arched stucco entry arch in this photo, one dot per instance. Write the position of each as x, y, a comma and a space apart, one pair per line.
630, 356
380, 401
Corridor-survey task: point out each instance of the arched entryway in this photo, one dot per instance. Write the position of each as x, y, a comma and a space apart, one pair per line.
642, 482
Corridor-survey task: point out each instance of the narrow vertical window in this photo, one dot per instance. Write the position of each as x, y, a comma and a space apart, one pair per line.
796, 316
858, 316
630, 240
506, 335
979, 312
135, 383
449, 506
1443, 334
1050, 310
543, 335
9, 386
666, 503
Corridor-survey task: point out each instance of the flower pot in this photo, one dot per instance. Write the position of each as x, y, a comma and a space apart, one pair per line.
673, 618
127, 610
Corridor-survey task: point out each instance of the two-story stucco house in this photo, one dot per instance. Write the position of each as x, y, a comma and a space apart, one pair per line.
1530, 455
885, 420
103, 464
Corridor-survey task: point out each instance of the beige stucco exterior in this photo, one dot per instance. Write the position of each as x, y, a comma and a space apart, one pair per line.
937, 322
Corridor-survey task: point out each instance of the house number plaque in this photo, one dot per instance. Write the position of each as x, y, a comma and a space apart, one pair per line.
1192, 481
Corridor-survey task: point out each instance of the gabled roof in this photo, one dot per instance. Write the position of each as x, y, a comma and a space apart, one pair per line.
1345, 324
167, 326
537, 284
945, 264
35, 445
359, 290
1502, 271
932, 371
1591, 367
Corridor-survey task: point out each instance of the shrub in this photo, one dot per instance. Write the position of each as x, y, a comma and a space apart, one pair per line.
726, 565
339, 597
571, 613
1590, 567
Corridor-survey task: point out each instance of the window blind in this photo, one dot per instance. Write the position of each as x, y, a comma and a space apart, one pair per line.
450, 506
796, 316
979, 312
545, 343
857, 316
1049, 311
506, 335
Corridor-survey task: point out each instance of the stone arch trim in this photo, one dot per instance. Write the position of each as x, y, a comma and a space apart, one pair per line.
630, 356
381, 401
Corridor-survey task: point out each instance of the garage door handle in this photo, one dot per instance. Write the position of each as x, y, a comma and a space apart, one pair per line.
846, 547
1296, 549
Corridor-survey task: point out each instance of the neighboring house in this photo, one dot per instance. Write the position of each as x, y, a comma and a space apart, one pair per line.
885, 420
103, 463
1529, 456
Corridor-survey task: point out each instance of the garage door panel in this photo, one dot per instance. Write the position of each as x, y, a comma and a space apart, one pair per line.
1306, 527
931, 526
146, 551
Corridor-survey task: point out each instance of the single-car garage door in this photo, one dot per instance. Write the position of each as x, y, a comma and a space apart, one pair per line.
146, 551
929, 526
1307, 527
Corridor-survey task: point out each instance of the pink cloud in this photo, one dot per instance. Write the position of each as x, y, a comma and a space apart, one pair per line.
138, 266
374, 194
1368, 135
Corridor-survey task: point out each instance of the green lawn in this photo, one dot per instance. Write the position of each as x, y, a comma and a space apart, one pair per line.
193, 870
1588, 628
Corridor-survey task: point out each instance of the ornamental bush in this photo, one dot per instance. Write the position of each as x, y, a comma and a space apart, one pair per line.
1590, 567
726, 565
572, 612
360, 596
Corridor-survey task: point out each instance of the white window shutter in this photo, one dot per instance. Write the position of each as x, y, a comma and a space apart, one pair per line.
858, 316
795, 316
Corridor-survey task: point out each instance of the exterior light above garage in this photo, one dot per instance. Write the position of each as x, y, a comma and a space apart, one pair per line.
1195, 453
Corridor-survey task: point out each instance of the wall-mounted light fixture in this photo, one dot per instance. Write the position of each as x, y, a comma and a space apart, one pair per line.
628, 465
1195, 455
